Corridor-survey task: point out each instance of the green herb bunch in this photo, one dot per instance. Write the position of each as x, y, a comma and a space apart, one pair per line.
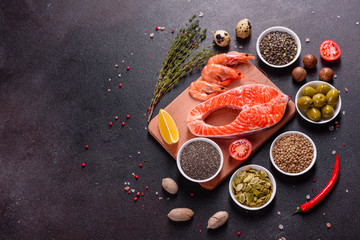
177, 62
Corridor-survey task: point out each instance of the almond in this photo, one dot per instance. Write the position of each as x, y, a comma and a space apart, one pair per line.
170, 185
218, 219
181, 214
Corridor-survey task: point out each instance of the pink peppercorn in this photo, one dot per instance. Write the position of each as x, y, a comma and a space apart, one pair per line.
83, 164
116, 117
120, 85
123, 123
156, 28
110, 124
136, 177
128, 116
138, 194
128, 68
147, 187
135, 199
86, 146
140, 165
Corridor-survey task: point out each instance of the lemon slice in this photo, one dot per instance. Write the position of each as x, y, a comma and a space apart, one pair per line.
167, 127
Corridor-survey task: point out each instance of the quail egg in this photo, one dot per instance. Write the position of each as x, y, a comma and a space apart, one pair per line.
243, 28
222, 38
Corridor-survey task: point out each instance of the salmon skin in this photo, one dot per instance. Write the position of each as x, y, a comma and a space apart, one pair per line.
260, 106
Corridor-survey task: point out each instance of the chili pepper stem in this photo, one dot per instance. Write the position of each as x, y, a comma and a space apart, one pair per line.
298, 210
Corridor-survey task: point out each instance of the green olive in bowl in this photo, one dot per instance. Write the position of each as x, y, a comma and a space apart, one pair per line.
319, 100
313, 114
308, 91
323, 88
327, 111
304, 102
332, 97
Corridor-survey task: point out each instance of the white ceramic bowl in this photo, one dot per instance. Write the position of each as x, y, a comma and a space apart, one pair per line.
280, 29
256, 167
302, 112
293, 174
204, 140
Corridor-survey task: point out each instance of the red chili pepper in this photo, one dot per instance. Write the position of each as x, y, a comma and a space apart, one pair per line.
308, 205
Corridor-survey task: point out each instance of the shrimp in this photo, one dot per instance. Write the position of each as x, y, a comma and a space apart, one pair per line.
230, 58
219, 74
203, 90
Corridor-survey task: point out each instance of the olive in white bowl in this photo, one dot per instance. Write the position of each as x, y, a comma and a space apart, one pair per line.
318, 102
293, 153
278, 47
200, 160
252, 187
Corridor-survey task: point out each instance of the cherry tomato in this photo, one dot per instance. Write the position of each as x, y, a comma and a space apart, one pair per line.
240, 149
330, 50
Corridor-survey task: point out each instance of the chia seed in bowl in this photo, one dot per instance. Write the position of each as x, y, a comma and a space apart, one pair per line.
200, 159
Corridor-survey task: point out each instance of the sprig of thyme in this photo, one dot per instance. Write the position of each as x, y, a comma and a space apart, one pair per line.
177, 62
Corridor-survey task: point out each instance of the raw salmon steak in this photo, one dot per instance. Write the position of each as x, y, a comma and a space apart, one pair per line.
260, 106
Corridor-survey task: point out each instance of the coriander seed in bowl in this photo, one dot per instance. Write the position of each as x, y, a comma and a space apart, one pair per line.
293, 153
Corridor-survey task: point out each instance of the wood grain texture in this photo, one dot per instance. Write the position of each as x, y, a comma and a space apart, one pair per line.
181, 105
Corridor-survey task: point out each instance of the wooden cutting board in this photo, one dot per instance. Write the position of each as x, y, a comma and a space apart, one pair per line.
180, 107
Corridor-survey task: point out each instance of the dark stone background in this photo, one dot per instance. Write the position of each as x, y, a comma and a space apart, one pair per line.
56, 59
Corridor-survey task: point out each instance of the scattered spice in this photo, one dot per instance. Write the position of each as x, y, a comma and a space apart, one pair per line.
346, 90
138, 194
127, 188
151, 35
278, 48
147, 187
128, 68
110, 124
116, 117
238, 233
135, 199
129, 192
307, 40
281, 227
83, 164
140, 165
86, 146
123, 124
117, 65
293, 153
156, 28
120, 85
162, 28
199, 160
128, 116
172, 31
136, 177
328, 225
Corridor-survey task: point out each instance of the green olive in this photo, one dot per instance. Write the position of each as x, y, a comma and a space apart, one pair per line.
304, 102
332, 97
314, 114
327, 111
323, 88
319, 100
308, 91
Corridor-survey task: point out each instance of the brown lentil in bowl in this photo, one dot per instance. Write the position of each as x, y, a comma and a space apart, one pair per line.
293, 153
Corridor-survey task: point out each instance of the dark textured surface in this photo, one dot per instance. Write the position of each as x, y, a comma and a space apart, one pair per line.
56, 59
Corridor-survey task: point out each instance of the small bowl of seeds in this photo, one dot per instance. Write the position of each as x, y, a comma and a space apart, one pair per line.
293, 153
252, 187
278, 47
200, 160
